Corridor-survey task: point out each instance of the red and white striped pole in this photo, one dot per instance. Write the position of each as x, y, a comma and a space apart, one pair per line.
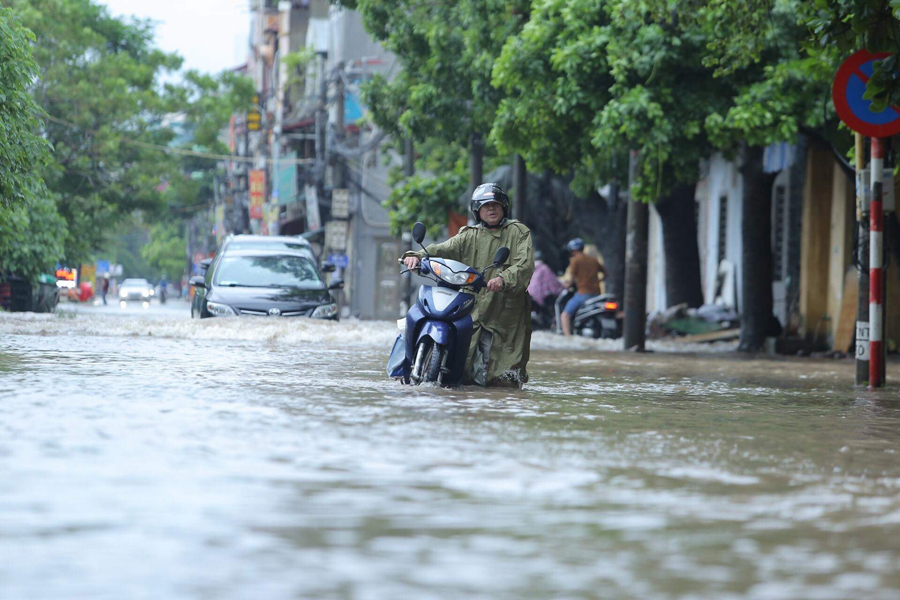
876, 270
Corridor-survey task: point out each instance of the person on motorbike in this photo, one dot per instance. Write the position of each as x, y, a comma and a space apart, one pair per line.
501, 342
583, 272
544, 283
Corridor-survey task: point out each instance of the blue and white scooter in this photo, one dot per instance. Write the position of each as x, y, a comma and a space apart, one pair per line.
434, 337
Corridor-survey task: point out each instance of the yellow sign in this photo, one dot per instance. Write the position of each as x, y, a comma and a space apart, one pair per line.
88, 273
253, 120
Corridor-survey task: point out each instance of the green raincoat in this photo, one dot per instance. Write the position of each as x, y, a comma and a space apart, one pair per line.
501, 342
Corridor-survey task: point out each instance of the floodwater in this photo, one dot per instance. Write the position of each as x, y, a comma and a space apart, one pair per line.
145, 455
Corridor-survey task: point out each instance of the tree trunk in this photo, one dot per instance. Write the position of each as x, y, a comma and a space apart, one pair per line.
615, 268
757, 320
476, 161
636, 270
677, 212
520, 187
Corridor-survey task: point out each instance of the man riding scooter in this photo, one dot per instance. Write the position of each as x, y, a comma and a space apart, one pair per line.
584, 272
501, 341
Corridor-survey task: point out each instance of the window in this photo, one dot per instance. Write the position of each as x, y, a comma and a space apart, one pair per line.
267, 271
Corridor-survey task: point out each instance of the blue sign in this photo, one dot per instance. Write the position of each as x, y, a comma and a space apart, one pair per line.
102, 266
339, 260
854, 110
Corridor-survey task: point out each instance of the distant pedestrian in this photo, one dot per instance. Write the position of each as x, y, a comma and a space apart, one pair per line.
104, 288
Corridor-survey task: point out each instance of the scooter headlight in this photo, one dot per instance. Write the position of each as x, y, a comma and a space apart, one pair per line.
444, 272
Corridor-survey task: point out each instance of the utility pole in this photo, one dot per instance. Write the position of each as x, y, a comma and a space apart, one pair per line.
862, 308
321, 119
876, 267
409, 169
340, 173
636, 267
520, 183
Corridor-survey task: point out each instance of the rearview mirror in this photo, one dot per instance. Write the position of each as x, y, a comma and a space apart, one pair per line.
204, 264
198, 281
501, 255
337, 284
419, 233
328, 267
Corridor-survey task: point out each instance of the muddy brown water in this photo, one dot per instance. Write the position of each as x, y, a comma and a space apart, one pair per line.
145, 455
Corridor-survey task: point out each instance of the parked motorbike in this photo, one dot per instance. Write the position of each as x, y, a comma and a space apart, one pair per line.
596, 318
434, 337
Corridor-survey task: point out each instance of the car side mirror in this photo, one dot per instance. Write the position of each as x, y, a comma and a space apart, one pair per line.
204, 264
419, 233
198, 281
328, 267
337, 284
501, 255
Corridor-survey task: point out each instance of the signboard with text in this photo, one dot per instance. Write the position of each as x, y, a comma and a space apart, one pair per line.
257, 193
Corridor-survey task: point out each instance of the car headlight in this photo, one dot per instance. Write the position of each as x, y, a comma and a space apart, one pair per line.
122, 293
326, 311
444, 272
145, 293
220, 310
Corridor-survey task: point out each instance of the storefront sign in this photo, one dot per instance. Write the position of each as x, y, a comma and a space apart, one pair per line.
257, 193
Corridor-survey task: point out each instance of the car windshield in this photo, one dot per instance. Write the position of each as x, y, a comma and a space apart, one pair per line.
266, 245
267, 271
135, 282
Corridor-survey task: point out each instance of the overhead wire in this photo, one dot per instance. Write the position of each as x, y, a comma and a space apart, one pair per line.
184, 151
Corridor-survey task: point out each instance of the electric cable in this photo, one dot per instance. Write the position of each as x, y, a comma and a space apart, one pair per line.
183, 151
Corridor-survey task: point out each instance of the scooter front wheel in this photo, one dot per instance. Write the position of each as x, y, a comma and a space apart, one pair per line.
433, 361
428, 362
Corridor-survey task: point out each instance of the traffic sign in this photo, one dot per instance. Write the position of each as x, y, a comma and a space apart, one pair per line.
340, 261
854, 110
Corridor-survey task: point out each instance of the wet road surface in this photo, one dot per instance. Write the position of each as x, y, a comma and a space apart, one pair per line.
145, 455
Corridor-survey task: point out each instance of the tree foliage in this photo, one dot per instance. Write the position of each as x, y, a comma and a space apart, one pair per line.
100, 90
30, 228
21, 147
166, 250
443, 93
97, 79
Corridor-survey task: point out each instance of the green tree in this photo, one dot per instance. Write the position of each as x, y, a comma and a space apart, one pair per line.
30, 228
21, 147
166, 250
443, 95
100, 90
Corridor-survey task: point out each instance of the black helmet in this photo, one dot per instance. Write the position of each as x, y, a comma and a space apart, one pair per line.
575, 244
488, 192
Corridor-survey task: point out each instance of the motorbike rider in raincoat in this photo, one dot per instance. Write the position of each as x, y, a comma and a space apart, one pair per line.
501, 341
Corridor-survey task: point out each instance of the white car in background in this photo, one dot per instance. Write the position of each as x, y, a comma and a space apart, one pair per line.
135, 290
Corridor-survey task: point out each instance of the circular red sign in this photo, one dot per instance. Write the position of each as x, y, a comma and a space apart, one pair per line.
847, 94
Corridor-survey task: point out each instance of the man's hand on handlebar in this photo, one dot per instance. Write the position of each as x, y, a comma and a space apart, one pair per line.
411, 262
496, 284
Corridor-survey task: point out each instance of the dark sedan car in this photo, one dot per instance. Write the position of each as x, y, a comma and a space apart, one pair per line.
275, 283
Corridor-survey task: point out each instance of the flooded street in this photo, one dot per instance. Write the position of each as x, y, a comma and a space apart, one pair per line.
145, 455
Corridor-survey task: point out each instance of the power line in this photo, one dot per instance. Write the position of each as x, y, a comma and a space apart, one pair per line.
183, 151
